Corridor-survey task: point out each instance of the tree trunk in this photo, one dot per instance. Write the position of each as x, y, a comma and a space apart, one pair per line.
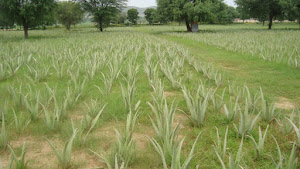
26, 31
100, 25
270, 22
263, 22
68, 27
188, 26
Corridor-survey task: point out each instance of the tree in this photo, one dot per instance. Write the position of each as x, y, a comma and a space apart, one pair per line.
243, 14
103, 11
122, 18
133, 15
69, 13
191, 11
26, 12
262, 9
232, 14
150, 15
293, 11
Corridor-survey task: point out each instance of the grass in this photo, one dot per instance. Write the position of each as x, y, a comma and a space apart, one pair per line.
72, 80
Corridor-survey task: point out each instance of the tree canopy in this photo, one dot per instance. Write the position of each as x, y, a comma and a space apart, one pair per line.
27, 13
103, 11
263, 9
189, 11
133, 15
69, 13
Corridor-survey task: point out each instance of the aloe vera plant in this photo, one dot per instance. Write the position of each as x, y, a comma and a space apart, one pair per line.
58, 67
218, 78
293, 160
64, 156
233, 162
246, 122
259, 145
164, 118
71, 98
105, 159
176, 159
38, 74
51, 119
288, 163
251, 98
220, 147
197, 106
268, 112
4, 134
108, 81
217, 100
151, 71
93, 108
17, 96
296, 129
232, 111
284, 124
278, 165
128, 94
125, 146
4, 72
91, 123
172, 76
158, 94
32, 106
21, 122
18, 163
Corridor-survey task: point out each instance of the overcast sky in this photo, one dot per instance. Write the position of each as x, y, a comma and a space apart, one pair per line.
147, 3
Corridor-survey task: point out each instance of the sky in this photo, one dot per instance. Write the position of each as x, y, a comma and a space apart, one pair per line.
147, 3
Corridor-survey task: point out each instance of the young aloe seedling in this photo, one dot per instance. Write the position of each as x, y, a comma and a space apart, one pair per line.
64, 156
259, 146
19, 163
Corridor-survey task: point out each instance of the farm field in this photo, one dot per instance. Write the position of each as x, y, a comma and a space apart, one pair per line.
138, 96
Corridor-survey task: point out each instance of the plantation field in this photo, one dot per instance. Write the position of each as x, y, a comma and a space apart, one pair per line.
151, 97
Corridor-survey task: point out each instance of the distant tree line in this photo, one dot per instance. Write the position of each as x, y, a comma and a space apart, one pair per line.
35, 13
268, 10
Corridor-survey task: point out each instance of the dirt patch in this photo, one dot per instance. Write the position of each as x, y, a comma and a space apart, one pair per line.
85, 160
284, 103
230, 67
140, 136
38, 152
141, 140
169, 94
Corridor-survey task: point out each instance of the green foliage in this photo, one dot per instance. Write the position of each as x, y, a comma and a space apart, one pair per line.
150, 14
133, 15
21, 122
269, 111
27, 13
259, 145
64, 156
18, 163
194, 11
103, 11
164, 118
69, 13
218, 146
233, 163
176, 158
197, 106
247, 121
262, 9
4, 134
